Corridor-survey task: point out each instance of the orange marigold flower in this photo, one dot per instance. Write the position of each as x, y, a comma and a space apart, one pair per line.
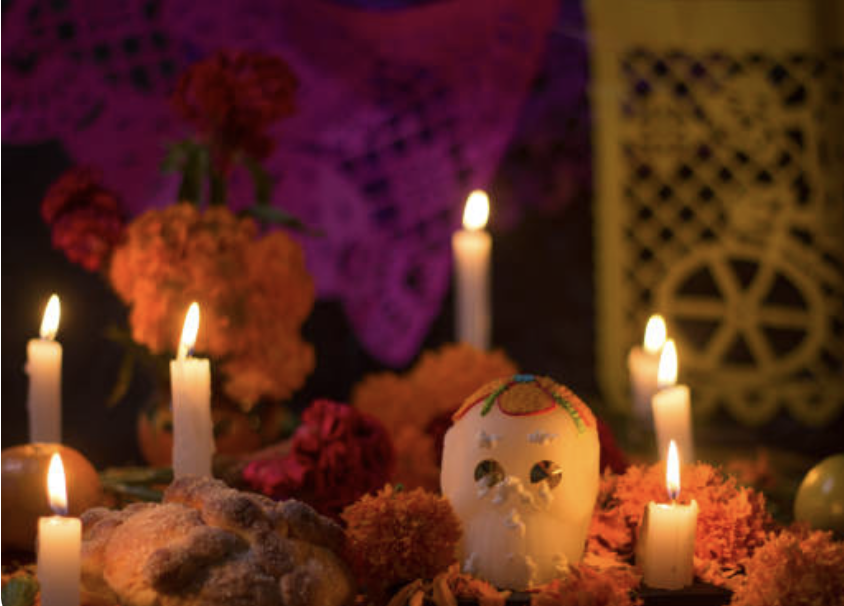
395, 537
416, 458
437, 384
255, 293
448, 376
732, 521
409, 404
586, 585
796, 567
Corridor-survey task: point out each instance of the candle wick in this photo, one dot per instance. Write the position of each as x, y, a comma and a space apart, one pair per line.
673, 494
185, 352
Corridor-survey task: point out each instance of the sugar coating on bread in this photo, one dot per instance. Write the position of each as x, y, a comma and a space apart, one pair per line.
209, 544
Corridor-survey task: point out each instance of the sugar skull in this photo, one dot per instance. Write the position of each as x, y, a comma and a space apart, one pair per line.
520, 467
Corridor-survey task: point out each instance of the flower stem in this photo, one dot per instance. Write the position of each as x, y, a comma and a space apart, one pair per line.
218, 188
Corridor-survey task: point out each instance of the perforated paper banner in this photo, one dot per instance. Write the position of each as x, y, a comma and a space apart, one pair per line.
400, 114
719, 140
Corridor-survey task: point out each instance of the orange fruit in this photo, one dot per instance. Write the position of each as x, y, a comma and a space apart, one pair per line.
155, 435
235, 432
25, 499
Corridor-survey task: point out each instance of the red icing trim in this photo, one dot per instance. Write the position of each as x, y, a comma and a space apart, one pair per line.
583, 411
462, 413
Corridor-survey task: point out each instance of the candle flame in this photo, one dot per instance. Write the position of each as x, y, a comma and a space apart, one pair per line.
56, 486
667, 373
476, 212
672, 471
655, 334
189, 331
50, 321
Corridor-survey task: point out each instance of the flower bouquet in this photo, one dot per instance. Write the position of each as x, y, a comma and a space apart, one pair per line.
252, 282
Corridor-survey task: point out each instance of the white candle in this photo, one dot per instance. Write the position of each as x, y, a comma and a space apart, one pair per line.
190, 380
672, 407
666, 547
643, 364
59, 545
472, 247
44, 367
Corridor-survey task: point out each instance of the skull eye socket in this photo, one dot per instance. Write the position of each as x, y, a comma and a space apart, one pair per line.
489, 471
547, 471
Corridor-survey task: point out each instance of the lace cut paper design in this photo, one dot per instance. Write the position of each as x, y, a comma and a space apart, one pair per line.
726, 215
401, 113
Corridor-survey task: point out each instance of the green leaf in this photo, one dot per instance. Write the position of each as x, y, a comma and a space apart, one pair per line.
155, 362
118, 335
276, 216
176, 156
137, 475
20, 591
141, 493
190, 189
191, 159
124, 378
136, 483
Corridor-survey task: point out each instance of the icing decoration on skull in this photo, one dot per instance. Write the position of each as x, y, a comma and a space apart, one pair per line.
520, 467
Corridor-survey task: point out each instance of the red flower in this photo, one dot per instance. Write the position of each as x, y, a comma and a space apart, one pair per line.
338, 454
85, 217
612, 457
233, 97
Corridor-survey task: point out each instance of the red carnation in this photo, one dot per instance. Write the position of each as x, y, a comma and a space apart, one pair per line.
233, 97
337, 455
612, 457
85, 217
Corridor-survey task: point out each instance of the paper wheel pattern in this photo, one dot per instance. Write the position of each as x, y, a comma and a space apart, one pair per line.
719, 203
761, 325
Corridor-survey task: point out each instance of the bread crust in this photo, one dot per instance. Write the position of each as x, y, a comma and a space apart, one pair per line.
208, 544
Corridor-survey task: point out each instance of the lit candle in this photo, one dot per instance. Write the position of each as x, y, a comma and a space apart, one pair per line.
59, 544
472, 247
666, 547
190, 380
44, 367
643, 364
672, 407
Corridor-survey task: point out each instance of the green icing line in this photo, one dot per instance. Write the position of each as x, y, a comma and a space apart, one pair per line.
578, 422
561, 401
490, 399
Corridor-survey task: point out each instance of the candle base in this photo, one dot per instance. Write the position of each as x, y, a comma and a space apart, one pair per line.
697, 594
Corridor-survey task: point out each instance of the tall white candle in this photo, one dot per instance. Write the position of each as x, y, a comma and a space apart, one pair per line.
643, 364
59, 545
44, 367
672, 408
472, 247
666, 547
190, 380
